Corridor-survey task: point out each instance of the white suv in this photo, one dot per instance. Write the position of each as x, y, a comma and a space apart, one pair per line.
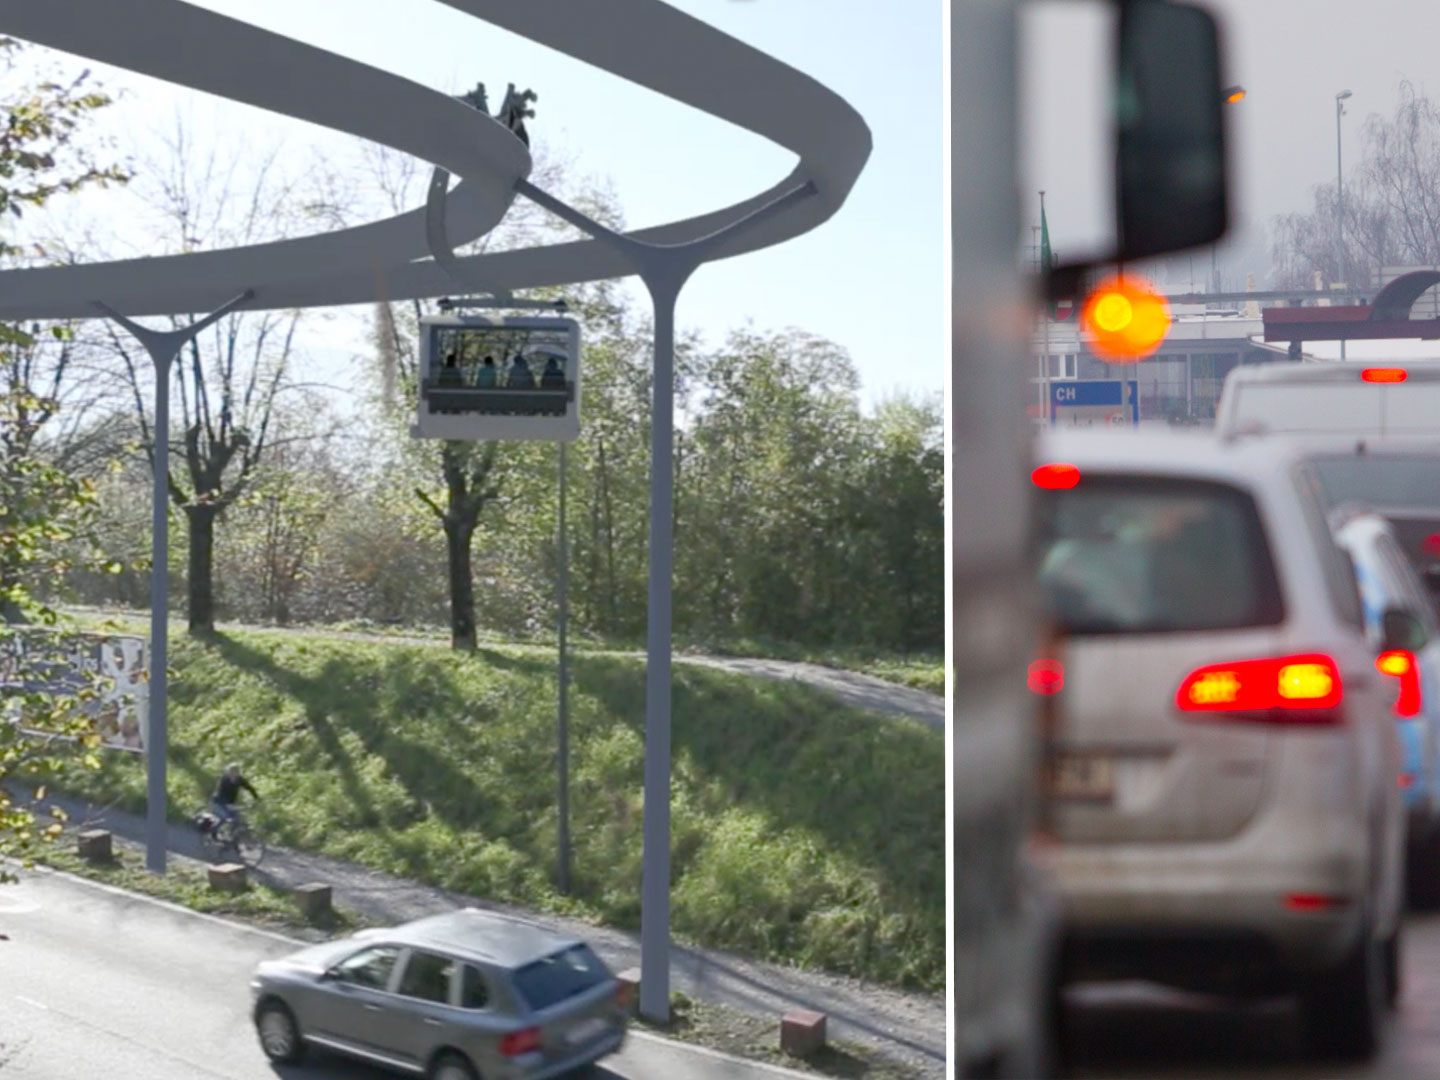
1223, 757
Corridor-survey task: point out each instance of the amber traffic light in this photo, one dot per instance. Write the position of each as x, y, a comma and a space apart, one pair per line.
1125, 320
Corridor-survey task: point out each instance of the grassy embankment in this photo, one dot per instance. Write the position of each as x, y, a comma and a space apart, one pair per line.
920, 670
803, 832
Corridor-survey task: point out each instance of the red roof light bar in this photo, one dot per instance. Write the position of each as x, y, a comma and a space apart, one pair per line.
1384, 374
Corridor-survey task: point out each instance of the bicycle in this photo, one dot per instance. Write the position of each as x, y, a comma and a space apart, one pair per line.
234, 837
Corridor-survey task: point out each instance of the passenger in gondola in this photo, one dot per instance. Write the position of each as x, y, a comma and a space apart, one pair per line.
488, 375
553, 378
450, 374
520, 377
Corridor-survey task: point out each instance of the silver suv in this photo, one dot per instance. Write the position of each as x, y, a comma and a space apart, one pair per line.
1225, 753
457, 996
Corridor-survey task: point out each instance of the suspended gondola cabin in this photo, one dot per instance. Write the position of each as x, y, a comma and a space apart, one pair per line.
489, 377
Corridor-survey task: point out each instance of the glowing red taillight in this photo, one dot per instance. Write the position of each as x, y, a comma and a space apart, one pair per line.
1431, 545
1315, 902
624, 993
1056, 476
1046, 677
1300, 689
520, 1042
1401, 664
1385, 374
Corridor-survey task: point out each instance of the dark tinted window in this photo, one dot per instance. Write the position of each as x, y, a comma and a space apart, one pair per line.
1340, 572
1122, 555
369, 967
1381, 481
567, 973
427, 977
474, 993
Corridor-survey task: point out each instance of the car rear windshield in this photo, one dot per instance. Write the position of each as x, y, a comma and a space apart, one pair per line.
1130, 555
564, 975
1384, 482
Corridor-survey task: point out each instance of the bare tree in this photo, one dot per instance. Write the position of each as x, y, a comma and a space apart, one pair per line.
469, 471
1392, 205
230, 378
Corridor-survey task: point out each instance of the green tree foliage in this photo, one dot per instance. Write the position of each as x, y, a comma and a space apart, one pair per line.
39, 158
46, 510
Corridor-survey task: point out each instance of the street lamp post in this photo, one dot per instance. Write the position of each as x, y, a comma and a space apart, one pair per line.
1340, 99
163, 346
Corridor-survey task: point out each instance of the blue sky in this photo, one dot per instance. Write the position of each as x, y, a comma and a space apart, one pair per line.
870, 279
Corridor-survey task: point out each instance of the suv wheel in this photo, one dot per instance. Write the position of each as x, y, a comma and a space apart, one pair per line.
279, 1034
1344, 1008
1394, 967
451, 1066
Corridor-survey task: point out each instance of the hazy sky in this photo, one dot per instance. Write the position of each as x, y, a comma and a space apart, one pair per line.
665, 161
1293, 56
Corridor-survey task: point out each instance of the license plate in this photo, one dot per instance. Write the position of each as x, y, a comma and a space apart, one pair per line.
586, 1030
1083, 778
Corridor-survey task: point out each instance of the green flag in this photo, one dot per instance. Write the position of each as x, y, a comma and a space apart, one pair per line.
1047, 258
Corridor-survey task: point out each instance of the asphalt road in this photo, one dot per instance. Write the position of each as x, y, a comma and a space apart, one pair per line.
1133, 1032
97, 984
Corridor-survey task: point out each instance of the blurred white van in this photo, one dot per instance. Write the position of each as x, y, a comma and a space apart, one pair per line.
1331, 398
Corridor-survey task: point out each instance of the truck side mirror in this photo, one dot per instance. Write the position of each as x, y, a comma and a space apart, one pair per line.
1171, 190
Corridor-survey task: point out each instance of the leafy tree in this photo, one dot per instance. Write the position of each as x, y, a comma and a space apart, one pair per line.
42, 509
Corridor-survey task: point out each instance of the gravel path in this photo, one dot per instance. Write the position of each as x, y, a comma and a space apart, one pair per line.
906, 1027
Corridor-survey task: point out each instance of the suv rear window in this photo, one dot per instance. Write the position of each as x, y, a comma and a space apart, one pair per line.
569, 972
1137, 555
1386, 481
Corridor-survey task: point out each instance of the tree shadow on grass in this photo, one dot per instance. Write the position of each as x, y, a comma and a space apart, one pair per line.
345, 698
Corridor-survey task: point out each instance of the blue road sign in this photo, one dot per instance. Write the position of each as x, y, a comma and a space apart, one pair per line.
1087, 402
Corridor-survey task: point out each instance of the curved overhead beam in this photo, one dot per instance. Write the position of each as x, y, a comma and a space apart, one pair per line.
1396, 299
645, 41
205, 51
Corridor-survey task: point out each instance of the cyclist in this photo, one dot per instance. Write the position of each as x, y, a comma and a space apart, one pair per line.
227, 793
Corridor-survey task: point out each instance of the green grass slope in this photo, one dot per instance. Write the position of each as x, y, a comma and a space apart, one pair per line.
803, 832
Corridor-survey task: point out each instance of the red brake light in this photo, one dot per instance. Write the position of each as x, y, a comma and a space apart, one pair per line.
1402, 665
1314, 902
1431, 545
1046, 677
1283, 689
1056, 476
1384, 374
624, 994
520, 1042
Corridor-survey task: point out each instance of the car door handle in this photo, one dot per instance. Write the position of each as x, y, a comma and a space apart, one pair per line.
373, 1008
432, 1022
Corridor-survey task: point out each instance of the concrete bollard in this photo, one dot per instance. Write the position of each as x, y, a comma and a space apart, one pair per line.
629, 980
94, 844
314, 900
802, 1033
228, 877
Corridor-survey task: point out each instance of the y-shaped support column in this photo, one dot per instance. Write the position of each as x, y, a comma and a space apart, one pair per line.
163, 346
664, 269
